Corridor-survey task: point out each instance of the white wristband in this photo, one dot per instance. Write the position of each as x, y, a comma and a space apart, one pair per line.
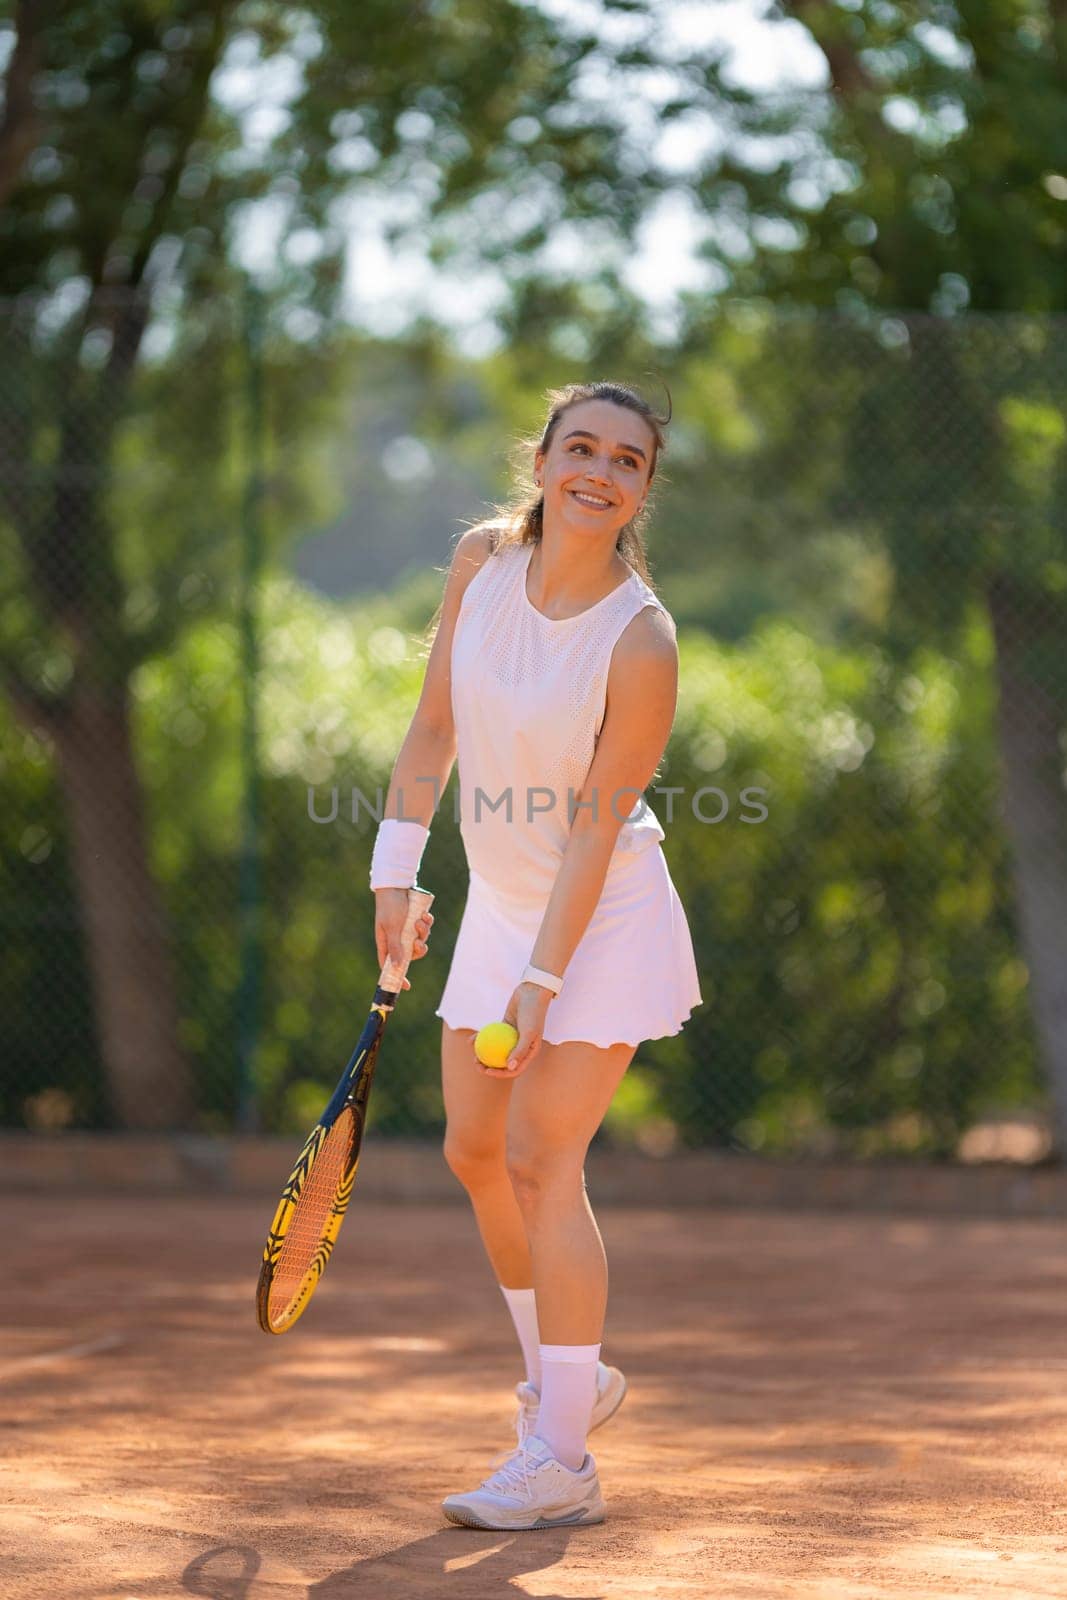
545, 979
397, 853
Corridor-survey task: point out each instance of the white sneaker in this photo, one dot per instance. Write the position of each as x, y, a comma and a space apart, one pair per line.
531, 1490
610, 1393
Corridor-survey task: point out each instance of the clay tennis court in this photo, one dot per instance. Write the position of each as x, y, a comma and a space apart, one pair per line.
821, 1405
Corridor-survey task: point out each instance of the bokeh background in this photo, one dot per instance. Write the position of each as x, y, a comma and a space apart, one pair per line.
281, 290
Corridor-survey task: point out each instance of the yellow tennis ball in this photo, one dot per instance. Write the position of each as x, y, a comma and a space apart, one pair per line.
494, 1043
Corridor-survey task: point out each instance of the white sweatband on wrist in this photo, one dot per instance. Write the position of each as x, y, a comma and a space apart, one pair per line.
397, 853
546, 979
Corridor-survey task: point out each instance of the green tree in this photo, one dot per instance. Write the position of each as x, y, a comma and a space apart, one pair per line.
923, 189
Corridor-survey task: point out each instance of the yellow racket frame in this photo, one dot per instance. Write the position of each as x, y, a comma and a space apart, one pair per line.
350, 1095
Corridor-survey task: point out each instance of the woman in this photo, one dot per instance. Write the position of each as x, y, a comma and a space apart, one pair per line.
553, 677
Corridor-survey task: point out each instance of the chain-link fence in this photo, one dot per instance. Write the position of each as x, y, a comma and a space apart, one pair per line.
864, 541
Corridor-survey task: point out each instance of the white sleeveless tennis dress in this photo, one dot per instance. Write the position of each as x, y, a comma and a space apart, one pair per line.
528, 698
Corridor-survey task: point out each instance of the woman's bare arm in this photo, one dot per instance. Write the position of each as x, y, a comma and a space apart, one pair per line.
426, 757
641, 699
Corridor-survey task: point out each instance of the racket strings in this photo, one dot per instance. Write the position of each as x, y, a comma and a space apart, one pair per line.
308, 1241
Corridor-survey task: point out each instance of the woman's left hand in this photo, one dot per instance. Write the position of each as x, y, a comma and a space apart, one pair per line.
526, 1012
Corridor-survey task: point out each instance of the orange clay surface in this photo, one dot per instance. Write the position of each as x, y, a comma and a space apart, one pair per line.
822, 1407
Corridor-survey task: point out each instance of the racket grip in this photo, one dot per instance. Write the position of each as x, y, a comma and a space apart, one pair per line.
392, 974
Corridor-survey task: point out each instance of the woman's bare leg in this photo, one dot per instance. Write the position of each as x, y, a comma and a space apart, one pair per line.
476, 1151
557, 1105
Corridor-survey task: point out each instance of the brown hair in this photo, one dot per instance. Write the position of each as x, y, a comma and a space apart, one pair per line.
521, 521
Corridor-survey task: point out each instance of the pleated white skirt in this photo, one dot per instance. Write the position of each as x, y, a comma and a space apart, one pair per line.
632, 977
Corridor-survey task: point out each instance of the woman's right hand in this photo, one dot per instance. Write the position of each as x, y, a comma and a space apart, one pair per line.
390, 914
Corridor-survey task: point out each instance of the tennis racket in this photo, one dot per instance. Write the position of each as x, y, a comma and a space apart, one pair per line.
313, 1203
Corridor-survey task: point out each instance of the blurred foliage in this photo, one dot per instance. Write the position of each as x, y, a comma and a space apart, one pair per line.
929, 174
926, 172
857, 957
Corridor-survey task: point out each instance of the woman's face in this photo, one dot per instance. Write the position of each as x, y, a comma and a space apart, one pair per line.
595, 472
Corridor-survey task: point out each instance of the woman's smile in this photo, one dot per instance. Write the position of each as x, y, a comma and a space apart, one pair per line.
590, 501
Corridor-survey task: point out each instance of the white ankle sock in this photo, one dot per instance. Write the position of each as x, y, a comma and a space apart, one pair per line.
568, 1394
523, 1308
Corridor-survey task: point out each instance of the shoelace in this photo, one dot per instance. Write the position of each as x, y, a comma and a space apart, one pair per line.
524, 1435
513, 1475
522, 1421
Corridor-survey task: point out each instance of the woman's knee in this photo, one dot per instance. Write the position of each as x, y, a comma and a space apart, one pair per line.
537, 1169
474, 1161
